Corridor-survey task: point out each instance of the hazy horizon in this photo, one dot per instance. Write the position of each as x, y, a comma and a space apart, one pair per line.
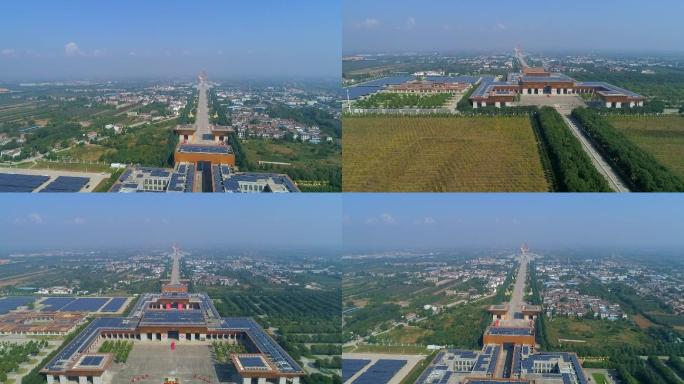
582, 221
538, 25
80, 39
78, 221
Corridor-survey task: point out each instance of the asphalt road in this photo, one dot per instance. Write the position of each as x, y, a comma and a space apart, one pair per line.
202, 118
175, 269
599, 162
514, 306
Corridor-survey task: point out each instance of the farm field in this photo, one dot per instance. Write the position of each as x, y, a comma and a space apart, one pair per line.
661, 136
312, 166
595, 333
599, 378
441, 154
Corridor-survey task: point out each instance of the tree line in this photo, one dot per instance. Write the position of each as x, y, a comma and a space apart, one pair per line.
639, 169
572, 168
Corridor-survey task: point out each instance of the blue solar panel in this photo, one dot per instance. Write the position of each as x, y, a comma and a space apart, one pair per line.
20, 183
193, 148
252, 362
52, 304
92, 361
114, 305
13, 302
381, 372
264, 343
85, 304
81, 342
351, 366
66, 184
125, 175
510, 331
174, 316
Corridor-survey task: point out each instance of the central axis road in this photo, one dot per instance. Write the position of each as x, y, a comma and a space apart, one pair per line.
599, 162
515, 304
202, 119
175, 269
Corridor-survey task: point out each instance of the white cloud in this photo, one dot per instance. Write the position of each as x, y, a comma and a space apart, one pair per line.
410, 23
72, 49
8, 52
100, 53
77, 221
387, 218
383, 218
426, 221
370, 23
35, 218
31, 218
500, 27
131, 53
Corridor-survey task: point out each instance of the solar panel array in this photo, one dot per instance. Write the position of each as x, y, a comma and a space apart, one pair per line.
174, 316
193, 148
517, 359
66, 184
125, 175
190, 178
609, 89
114, 305
381, 372
85, 304
264, 343
209, 307
252, 362
486, 362
81, 342
10, 182
517, 331
13, 302
77, 304
217, 178
351, 366
52, 304
93, 361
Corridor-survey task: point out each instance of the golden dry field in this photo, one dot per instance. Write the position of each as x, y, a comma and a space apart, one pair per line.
441, 154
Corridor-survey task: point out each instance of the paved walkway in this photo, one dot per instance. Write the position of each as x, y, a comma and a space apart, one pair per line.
596, 158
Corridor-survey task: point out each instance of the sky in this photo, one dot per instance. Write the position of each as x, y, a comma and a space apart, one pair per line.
394, 26
78, 221
77, 39
391, 221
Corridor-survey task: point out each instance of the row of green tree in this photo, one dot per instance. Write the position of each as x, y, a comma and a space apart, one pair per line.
217, 109
573, 170
119, 348
12, 355
34, 376
311, 116
639, 169
184, 117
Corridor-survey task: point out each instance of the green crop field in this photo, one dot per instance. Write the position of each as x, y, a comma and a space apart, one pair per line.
441, 154
599, 378
661, 136
595, 333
